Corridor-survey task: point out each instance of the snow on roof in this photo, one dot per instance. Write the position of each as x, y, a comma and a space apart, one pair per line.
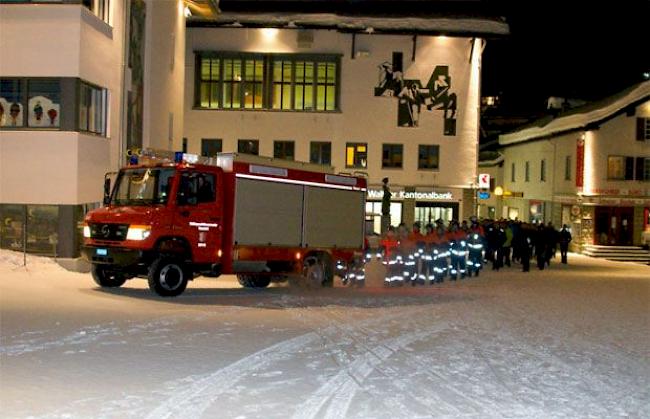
441, 25
579, 118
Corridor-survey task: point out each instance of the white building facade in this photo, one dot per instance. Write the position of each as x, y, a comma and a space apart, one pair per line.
320, 88
588, 168
80, 83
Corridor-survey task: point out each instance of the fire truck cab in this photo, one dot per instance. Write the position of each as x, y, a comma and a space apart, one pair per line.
168, 219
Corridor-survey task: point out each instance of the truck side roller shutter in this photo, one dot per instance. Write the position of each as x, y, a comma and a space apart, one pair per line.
334, 218
268, 213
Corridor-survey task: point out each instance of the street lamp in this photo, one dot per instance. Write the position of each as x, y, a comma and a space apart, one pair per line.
498, 192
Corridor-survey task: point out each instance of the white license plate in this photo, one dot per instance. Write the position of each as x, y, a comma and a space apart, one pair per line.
101, 252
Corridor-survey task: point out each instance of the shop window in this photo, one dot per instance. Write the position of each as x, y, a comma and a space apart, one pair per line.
248, 146
210, 147
428, 157
373, 213
320, 152
392, 156
283, 150
356, 155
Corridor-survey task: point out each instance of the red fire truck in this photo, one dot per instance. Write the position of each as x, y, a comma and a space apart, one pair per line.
172, 218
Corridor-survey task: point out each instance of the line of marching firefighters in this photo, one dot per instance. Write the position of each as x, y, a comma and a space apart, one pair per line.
457, 251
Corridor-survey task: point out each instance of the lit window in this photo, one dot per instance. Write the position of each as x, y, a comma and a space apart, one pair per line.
356, 155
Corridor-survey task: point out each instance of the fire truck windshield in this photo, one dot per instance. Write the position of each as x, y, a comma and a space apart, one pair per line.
143, 186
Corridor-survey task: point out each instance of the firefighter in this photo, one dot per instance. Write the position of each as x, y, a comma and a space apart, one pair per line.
475, 248
440, 252
428, 262
390, 247
458, 248
406, 254
414, 245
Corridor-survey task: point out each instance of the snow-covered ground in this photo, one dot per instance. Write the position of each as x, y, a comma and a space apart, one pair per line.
572, 341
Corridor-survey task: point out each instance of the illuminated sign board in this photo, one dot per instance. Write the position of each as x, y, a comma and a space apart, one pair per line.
427, 195
484, 195
484, 181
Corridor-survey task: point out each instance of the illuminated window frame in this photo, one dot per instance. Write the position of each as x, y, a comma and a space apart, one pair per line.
356, 155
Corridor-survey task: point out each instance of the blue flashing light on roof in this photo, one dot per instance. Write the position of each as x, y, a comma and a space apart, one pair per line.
178, 157
133, 159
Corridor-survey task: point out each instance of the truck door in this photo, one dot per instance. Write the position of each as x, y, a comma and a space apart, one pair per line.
199, 214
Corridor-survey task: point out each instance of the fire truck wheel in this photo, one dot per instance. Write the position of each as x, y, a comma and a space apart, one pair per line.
104, 277
319, 271
168, 277
254, 281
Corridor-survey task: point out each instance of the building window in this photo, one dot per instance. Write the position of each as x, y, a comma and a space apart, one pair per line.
642, 170
238, 81
320, 152
567, 168
512, 172
620, 168
210, 83
232, 80
392, 156
210, 147
282, 82
542, 171
248, 147
12, 105
92, 109
35, 103
643, 129
527, 172
100, 8
428, 157
253, 82
283, 150
356, 155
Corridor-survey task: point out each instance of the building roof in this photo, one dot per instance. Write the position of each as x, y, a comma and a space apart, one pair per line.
438, 17
582, 118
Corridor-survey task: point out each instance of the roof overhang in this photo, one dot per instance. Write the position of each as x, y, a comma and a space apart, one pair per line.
580, 121
448, 26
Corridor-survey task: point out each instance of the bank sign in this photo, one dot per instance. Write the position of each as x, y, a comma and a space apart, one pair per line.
419, 196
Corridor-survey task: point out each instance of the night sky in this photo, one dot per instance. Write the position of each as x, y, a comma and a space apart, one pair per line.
556, 51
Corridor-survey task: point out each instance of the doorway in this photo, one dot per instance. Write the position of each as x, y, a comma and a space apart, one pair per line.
614, 226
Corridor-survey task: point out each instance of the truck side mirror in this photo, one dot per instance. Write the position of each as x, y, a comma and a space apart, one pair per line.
107, 190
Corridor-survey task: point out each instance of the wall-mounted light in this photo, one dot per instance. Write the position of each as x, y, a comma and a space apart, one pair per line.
498, 191
270, 33
187, 12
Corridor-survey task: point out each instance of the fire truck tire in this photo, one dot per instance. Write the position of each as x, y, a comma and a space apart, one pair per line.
254, 281
107, 278
319, 271
168, 277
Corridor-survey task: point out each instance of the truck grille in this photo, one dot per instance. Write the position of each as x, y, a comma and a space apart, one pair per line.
109, 231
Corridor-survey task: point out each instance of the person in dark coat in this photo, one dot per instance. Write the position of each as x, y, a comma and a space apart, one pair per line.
521, 246
540, 246
564, 239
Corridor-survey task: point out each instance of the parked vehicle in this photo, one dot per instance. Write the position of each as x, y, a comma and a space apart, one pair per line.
260, 218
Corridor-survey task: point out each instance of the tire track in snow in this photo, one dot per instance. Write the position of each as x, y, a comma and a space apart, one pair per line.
340, 389
195, 398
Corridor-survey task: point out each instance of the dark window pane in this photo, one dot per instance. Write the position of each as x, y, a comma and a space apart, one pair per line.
11, 103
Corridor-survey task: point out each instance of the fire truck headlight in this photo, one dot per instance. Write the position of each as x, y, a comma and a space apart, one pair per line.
87, 231
138, 232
